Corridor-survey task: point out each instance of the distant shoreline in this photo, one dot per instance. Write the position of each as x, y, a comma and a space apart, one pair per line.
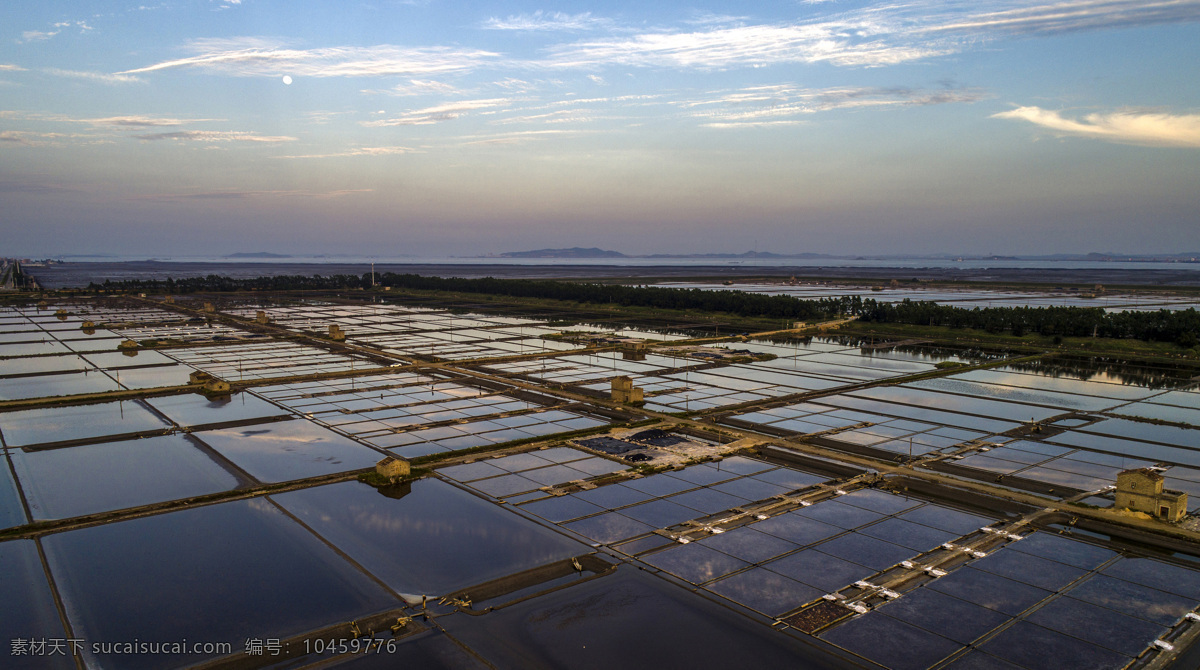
79, 274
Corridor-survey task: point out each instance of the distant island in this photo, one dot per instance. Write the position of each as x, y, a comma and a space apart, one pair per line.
257, 254
748, 254
593, 252
573, 252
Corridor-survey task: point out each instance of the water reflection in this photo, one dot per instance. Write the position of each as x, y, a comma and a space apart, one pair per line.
196, 410
63, 483
288, 450
629, 619
1111, 370
58, 424
11, 511
221, 573
29, 612
432, 539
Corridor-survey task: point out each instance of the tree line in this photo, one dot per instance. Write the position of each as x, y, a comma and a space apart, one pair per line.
1181, 326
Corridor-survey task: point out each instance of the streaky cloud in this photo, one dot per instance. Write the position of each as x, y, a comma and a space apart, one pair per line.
753, 124
756, 104
140, 121
257, 57
417, 87
872, 36
548, 21
214, 136
560, 116
37, 35
840, 43
1155, 129
39, 139
363, 151
516, 137
438, 113
29, 139
101, 77
1072, 16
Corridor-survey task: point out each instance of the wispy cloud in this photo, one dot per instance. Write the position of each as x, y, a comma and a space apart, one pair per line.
560, 116
55, 29
1016, 16
138, 121
838, 43
754, 124
324, 116
108, 129
116, 122
517, 137
214, 136
9, 67
1156, 129
250, 57
101, 77
37, 35
872, 36
711, 19
773, 105
417, 87
364, 151
438, 113
29, 139
548, 21
41, 139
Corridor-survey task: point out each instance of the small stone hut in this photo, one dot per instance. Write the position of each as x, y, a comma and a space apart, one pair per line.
1142, 490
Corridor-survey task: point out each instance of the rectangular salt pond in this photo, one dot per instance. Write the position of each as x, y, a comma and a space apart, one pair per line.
1066, 618
196, 410
152, 377
41, 365
42, 345
46, 386
995, 409
1018, 394
427, 538
219, 573
629, 619
287, 450
77, 422
1147, 410
74, 481
29, 611
123, 359
12, 513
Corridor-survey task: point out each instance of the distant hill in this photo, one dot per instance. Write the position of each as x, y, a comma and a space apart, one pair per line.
573, 252
748, 254
257, 254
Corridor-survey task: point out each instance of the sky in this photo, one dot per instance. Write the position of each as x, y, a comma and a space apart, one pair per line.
432, 127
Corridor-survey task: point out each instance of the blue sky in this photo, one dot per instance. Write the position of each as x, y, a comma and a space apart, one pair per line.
433, 127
